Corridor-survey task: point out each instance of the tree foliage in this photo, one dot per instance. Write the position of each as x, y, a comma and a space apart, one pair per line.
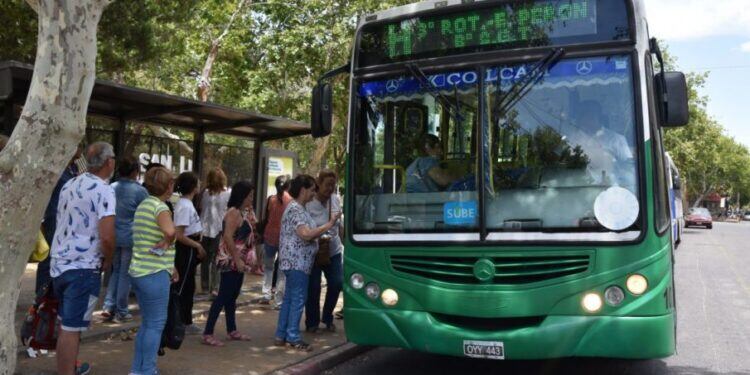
709, 160
276, 50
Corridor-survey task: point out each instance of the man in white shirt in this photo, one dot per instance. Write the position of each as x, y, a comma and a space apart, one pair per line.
604, 147
82, 247
321, 208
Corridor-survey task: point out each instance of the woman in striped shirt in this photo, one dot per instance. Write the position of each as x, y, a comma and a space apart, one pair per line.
152, 267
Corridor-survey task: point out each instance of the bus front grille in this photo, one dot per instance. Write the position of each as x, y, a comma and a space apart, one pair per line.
503, 270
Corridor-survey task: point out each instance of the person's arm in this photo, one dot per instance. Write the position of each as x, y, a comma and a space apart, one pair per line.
166, 225
187, 241
232, 221
107, 240
308, 234
441, 176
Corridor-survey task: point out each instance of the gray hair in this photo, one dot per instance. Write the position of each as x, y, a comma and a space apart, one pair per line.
97, 155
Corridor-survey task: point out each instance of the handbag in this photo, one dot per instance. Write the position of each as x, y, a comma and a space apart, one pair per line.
174, 329
246, 250
323, 257
41, 250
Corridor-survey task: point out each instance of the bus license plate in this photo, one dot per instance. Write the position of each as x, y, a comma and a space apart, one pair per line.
484, 349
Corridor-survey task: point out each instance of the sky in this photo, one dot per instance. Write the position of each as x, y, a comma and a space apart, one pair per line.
711, 36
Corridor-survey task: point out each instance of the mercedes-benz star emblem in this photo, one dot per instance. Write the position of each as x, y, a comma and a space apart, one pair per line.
391, 85
484, 270
584, 67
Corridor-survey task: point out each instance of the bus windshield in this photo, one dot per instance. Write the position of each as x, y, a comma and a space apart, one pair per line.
549, 153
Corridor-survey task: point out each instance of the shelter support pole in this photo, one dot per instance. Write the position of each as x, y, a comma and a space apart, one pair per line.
198, 143
120, 138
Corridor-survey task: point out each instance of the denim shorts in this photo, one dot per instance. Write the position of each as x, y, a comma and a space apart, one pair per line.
78, 292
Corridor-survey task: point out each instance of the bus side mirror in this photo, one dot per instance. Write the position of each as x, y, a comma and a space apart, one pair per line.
673, 96
677, 183
321, 111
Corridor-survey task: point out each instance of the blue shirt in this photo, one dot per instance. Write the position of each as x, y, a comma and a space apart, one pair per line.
50, 214
129, 194
418, 179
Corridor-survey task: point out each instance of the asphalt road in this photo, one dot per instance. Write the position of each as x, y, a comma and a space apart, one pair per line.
713, 302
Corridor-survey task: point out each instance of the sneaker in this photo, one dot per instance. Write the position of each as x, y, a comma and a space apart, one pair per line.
301, 346
193, 330
83, 368
312, 329
330, 328
122, 318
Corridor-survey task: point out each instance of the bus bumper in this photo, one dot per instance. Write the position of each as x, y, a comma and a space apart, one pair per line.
640, 337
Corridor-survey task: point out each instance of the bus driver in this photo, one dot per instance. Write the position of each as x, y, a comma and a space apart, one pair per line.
425, 175
604, 147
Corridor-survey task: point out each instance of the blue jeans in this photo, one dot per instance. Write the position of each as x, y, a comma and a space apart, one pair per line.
119, 282
78, 293
291, 309
152, 292
334, 273
230, 287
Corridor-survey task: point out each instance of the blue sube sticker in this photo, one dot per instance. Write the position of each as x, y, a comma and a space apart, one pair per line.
460, 213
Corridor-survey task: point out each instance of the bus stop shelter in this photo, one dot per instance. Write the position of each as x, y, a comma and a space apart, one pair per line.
119, 114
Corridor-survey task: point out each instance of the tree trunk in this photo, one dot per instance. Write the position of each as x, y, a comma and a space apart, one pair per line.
52, 123
316, 163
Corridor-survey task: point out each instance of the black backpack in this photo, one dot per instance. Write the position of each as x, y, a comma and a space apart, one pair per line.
174, 330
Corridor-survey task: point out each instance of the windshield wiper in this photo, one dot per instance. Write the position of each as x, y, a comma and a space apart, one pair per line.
521, 88
454, 109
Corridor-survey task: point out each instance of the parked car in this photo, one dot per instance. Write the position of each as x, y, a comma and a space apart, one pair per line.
746, 216
699, 216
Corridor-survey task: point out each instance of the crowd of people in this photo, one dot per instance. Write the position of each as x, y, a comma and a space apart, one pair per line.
132, 231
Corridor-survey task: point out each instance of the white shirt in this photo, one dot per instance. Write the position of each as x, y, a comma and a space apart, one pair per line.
213, 208
604, 148
84, 201
186, 216
319, 213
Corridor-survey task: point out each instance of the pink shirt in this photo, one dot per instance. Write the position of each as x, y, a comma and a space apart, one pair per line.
275, 212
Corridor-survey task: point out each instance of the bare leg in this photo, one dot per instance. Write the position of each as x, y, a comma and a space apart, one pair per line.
67, 352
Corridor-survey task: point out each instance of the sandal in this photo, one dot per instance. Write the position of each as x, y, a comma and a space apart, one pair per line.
301, 346
210, 340
237, 336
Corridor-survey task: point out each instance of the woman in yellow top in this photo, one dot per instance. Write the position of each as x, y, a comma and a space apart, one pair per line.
152, 267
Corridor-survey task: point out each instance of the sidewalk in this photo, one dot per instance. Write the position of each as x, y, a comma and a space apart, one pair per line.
108, 347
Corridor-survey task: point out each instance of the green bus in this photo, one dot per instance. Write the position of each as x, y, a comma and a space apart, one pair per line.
506, 189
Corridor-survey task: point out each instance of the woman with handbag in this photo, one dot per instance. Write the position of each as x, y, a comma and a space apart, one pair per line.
298, 246
328, 261
235, 254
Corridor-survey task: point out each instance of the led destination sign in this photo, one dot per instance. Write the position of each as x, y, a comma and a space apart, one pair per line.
508, 25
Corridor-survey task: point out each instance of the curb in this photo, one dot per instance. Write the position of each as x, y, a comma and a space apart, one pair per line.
104, 333
323, 361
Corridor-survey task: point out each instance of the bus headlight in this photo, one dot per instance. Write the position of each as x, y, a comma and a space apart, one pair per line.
614, 295
637, 284
389, 297
591, 302
357, 281
372, 290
